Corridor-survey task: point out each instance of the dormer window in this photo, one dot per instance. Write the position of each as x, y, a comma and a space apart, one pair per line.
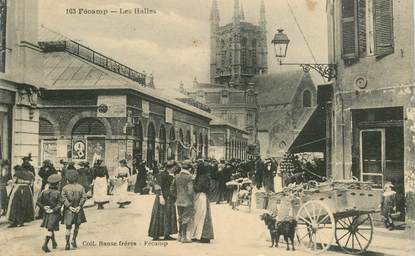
306, 99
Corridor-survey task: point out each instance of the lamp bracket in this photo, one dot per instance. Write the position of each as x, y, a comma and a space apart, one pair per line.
328, 71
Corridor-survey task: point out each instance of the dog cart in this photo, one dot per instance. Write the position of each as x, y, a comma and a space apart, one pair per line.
335, 211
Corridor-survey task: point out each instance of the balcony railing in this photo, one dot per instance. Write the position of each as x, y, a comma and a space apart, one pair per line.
95, 58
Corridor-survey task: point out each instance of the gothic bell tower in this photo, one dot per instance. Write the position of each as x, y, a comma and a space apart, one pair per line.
239, 48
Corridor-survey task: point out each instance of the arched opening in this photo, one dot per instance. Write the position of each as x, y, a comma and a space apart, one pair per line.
188, 142
306, 99
88, 140
162, 149
206, 146
45, 127
200, 148
180, 147
88, 126
151, 143
171, 151
138, 141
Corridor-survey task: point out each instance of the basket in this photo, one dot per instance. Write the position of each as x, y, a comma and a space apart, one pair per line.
274, 200
261, 200
363, 200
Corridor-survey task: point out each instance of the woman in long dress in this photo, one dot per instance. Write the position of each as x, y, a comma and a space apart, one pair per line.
5, 177
21, 205
201, 228
163, 221
100, 176
121, 184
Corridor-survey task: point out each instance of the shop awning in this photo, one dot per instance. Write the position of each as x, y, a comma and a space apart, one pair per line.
312, 135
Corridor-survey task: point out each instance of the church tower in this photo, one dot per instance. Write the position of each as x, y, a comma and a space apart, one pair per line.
214, 26
238, 49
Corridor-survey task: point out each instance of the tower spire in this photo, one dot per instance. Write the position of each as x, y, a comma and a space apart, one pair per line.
262, 19
214, 13
242, 12
236, 11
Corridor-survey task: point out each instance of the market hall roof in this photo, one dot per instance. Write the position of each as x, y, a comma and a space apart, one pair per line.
279, 88
66, 71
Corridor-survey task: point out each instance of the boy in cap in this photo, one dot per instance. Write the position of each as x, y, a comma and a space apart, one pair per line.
50, 201
73, 198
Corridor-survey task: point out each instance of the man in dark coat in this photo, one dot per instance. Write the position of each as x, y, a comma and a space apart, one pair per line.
45, 171
268, 178
182, 189
259, 172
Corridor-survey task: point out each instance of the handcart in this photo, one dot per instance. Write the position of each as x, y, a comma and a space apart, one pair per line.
337, 211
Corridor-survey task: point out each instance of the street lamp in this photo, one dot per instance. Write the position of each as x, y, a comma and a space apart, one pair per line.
281, 42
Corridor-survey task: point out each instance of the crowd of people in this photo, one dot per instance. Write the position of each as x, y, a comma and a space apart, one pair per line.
190, 187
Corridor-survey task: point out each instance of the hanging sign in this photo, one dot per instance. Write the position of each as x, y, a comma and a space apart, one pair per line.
146, 108
112, 106
169, 115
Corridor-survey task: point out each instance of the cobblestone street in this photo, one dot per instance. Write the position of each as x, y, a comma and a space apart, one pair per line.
236, 233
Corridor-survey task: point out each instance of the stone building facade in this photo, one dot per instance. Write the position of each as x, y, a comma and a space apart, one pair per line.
235, 106
238, 50
227, 141
286, 100
373, 107
88, 111
20, 80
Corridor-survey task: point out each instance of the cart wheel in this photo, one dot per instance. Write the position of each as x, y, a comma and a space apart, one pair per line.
315, 226
354, 233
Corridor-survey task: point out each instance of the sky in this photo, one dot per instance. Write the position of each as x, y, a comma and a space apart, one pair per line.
173, 44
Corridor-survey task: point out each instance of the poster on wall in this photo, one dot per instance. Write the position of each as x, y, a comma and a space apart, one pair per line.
49, 151
79, 149
112, 106
95, 149
62, 148
146, 108
169, 115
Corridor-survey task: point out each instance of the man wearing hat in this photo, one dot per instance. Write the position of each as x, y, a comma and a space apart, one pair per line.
182, 190
73, 198
50, 201
268, 175
163, 221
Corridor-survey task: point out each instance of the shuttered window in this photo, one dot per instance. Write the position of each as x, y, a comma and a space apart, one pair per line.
367, 28
3, 19
89, 126
45, 128
383, 27
349, 28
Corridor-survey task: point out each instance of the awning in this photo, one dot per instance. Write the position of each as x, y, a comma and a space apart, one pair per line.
312, 135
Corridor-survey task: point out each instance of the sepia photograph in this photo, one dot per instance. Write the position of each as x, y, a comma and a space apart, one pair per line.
207, 127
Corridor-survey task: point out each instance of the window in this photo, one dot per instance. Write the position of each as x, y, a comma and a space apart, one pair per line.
367, 28
306, 99
3, 19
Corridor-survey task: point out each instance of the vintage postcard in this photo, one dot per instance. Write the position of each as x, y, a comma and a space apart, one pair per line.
207, 127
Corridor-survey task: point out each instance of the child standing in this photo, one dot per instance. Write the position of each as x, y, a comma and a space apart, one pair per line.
73, 197
50, 201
